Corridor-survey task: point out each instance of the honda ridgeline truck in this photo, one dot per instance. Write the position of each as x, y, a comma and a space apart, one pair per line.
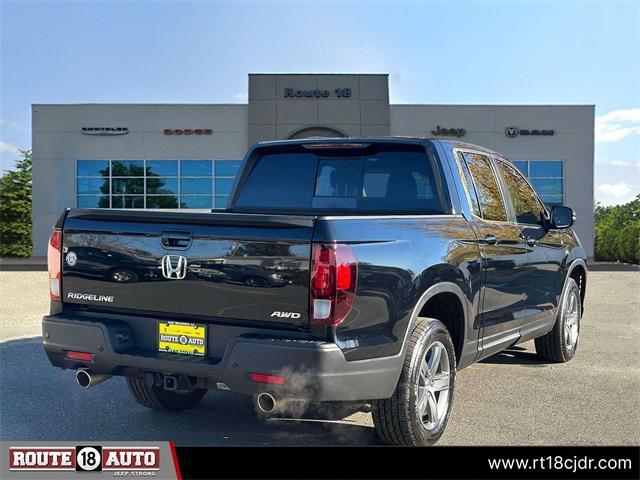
344, 270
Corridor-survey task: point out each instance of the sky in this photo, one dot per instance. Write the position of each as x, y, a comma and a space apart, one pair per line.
465, 52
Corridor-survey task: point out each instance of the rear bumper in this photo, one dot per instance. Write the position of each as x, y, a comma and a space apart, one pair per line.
314, 370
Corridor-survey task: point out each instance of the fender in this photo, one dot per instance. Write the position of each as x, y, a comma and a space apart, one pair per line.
443, 287
467, 356
574, 263
569, 269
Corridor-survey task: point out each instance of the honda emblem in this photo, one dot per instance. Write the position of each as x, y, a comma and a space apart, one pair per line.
174, 267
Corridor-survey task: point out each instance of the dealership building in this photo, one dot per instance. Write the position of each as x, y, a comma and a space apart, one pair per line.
186, 156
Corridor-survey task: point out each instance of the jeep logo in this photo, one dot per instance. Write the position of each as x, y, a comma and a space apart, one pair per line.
448, 132
285, 314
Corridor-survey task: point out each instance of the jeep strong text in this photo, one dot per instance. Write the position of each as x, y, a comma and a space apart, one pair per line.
363, 270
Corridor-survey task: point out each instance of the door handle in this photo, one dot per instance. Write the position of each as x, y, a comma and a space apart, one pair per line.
176, 240
491, 239
530, 241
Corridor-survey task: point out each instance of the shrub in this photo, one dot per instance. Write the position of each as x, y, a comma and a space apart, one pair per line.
617, 232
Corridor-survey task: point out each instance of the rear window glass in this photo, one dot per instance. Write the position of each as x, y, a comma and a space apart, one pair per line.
280, 181
384, 181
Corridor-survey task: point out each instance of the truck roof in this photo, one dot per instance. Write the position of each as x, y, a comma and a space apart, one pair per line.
338, 140
377, 139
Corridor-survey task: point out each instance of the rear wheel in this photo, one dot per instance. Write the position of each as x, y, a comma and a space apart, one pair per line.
160, 399
418, 411
561, 343
255, 282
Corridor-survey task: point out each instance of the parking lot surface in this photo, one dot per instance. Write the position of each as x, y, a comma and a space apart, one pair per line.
508, 399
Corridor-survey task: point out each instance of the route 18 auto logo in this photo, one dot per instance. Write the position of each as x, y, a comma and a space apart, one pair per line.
86, 458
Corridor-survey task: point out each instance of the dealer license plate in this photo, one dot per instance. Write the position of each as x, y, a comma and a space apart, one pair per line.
185, 338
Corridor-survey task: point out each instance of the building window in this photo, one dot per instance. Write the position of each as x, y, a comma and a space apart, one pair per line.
546, 177
185, 184
93, 187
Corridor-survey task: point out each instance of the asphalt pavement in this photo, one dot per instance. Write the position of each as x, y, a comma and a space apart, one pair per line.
508, 399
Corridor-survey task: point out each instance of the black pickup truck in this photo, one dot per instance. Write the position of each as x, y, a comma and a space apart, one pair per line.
361, 269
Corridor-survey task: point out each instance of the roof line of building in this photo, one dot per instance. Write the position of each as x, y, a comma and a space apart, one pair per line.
391, 104
492, 104
141, 104
316, 73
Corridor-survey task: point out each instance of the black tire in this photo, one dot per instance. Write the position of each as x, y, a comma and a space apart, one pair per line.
163, 400
554, 347
255, 282
396, 419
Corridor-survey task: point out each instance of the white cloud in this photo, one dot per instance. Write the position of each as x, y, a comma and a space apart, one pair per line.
241, 97
625, 164
618, 124
9, 148
617, 190
14, 126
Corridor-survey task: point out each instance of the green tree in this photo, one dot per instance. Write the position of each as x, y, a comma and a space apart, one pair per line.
15, 209
157, 186
617, 232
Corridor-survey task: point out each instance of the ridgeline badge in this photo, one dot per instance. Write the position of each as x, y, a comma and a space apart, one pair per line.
448, 132
90, 296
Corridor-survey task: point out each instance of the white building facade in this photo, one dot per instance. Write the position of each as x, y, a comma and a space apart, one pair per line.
186, 156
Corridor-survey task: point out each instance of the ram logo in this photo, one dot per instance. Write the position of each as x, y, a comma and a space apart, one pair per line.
511, 132
285, 314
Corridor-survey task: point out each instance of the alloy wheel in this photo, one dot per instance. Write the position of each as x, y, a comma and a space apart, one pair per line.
572, 320
432, 386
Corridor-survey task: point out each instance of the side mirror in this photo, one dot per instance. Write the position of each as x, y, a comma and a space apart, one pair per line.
562, 217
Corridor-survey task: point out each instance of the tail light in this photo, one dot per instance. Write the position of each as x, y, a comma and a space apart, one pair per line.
333, 283
263, 378
87, 357
54, 257
313, 146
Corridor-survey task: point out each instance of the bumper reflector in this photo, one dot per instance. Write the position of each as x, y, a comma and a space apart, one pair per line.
87, 357
262, 378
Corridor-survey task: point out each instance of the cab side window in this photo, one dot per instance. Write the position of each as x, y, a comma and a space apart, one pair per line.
525, 202
468, 185
486, 187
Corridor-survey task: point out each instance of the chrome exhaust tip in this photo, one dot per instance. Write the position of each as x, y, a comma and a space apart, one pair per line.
86, 379
266, 402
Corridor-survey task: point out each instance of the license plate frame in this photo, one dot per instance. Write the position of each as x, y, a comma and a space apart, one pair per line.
182, 338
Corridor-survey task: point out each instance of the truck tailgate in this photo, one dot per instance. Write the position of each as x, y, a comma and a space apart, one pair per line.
190, 265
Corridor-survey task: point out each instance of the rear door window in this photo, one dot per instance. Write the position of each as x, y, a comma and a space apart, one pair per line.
486, 186
472, 195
